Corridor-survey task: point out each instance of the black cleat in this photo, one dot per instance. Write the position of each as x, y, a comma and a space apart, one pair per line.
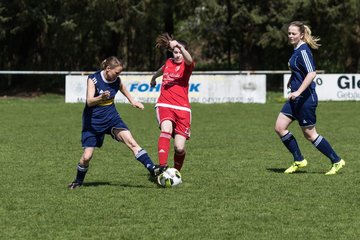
158, 170
74, 185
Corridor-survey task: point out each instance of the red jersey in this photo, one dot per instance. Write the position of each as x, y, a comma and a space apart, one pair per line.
175, 85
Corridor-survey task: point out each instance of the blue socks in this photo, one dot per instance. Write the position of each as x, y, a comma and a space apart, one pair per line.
291, 144
144, 158
324, 147
81, 172
320, 143
141, 156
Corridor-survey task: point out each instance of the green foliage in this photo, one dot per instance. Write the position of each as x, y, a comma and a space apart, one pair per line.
233, 185
223, 34
343, 18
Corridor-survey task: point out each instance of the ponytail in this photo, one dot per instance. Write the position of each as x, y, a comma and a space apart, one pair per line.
309, 39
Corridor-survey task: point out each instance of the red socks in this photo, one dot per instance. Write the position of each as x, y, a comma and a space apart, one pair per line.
163, 148
163, 152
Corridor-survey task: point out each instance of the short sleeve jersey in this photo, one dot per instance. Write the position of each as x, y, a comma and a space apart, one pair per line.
100, 117
175, 85
301, 63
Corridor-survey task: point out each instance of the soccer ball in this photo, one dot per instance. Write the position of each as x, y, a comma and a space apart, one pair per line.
170, 178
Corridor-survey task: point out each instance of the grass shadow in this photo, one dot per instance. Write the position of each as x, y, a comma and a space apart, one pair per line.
127, 185
281, 170
118, 184
97, 184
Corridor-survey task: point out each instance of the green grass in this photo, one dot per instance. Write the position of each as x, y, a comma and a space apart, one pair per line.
233, 185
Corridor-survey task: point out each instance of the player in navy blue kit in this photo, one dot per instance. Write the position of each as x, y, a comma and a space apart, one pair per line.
100, 117
302, 101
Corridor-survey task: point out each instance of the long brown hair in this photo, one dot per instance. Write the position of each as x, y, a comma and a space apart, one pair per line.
163, 41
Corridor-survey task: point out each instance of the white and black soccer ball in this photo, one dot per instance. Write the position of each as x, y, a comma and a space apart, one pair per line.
171, 177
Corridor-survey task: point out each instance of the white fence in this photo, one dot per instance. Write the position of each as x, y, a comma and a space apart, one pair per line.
212, 87
203, 88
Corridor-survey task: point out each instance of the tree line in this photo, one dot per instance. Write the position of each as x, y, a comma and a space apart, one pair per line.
77, 35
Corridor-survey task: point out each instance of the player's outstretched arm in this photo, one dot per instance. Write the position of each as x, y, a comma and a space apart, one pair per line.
157, 74
126, 93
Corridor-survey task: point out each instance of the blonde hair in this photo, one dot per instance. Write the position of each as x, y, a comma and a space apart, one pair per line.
111, 62
312, 41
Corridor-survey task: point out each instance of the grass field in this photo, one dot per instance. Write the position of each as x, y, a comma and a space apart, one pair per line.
233, 185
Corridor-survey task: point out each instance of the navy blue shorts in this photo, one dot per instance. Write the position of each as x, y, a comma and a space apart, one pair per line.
302, 109
91, 138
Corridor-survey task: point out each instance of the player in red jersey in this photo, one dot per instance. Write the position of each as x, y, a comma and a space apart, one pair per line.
173, 108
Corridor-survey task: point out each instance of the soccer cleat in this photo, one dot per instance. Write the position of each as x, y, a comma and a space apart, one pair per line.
336, 167
157, 170
296, 166
74, 185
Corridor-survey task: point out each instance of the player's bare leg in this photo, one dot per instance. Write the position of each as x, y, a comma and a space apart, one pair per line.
140, 154
282, 124
126, 137
310, 133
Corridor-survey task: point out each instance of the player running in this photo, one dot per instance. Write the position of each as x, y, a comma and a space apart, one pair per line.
302, 101
173, 108
100, 117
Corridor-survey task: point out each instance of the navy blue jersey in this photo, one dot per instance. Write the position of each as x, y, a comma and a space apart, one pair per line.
302, 108
104, 116
301, 63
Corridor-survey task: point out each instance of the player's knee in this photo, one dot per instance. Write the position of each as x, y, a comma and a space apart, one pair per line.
179, 150
307, 137
276, 129
166, 126
168, 131
310, 137
279, 130
86, 158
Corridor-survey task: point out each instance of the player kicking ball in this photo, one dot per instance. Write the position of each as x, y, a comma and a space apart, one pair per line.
173, 109
100, 117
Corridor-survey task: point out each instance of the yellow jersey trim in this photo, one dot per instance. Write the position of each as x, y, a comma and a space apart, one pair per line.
106, 102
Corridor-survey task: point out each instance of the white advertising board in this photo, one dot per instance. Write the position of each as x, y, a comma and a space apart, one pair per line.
203, 88
336, 87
